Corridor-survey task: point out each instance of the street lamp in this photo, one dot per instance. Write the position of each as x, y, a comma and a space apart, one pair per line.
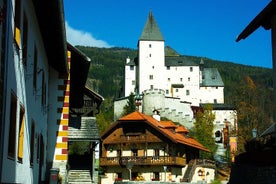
254, 133
165, 169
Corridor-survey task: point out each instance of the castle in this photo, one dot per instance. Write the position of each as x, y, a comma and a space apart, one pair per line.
171, 83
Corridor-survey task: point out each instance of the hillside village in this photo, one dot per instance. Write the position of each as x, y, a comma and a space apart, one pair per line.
49, 111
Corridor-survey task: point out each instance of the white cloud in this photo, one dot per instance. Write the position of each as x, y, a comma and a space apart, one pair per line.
78, 37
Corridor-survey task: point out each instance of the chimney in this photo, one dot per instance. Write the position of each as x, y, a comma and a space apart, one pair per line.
156, 114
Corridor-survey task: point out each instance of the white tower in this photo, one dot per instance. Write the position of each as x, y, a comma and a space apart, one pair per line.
151, 57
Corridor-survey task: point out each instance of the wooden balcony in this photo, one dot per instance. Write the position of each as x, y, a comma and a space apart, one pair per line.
143, 160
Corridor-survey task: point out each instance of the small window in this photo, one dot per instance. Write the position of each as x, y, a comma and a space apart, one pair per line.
21, 134
169, 79
25, 40
168, 67
149, 55
17, 16
215, 101
131, 67
189, 79
12, 129
151, 77
149, 45
181, 79
133, 82
134, 152
167, 91
35, 69
32, 143
187, 92
191, 69
151, 86
176, 90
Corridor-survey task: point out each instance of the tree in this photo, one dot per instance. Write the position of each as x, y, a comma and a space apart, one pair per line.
130, 106
203, 130
251, 111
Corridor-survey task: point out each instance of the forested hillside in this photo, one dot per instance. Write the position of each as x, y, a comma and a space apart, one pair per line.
107, 71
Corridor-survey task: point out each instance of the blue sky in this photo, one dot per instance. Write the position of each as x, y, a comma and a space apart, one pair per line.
205, 28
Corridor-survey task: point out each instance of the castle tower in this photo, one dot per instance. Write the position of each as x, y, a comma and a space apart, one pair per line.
151, 57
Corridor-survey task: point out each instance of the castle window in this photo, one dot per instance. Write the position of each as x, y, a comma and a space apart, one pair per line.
189, 79
151, 77
187, 92
181, 79
149, 45
191, 69
151, 86
169, 79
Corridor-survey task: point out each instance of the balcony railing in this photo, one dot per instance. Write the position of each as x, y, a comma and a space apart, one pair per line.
143, 160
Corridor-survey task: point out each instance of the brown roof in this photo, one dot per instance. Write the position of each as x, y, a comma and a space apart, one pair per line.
165, 127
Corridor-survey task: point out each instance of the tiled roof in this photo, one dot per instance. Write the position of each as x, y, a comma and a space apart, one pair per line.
174, 136
211, 77
83, 128
151, 31
179, 61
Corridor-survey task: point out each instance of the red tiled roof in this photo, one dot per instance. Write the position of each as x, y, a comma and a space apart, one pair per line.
162, 126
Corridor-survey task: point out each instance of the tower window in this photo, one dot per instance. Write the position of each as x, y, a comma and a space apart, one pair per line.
149, 45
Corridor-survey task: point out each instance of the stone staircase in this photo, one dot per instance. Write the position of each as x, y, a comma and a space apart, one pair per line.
79, 176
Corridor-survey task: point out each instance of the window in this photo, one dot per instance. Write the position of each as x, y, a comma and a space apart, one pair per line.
12, 130
25, 40
191, 69
168, 67
169, 79
167, 91
149, 45
21, 134
156, 176
134, 152
189, 79
151, 77
187, 92
43, 91
32, 143
133, 82
215, 101
131, 67
181, 79
149, 55
17, 15
35, 69
151, 86
176, 90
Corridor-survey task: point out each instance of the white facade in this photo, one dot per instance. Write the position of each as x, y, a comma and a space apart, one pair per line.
24, 123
